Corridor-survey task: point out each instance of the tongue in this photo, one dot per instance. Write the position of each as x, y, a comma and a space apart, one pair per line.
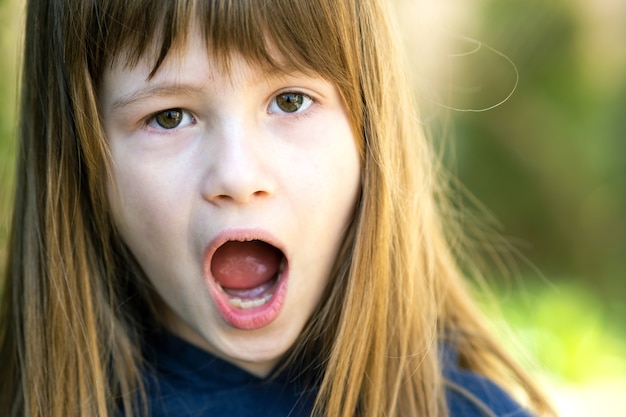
245, 265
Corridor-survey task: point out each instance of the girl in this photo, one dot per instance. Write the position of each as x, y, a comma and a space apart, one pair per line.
228, 208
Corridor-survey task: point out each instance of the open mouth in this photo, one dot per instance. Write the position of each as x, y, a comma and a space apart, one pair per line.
248, 281
247, 272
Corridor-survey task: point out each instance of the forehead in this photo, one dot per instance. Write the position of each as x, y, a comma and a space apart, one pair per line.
187, 71
303, 35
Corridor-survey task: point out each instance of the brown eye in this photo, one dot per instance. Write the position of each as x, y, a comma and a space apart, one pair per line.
169, 119
290, 103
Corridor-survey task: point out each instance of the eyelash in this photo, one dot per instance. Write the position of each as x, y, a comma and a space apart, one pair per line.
307, 102
273, 108
186, 118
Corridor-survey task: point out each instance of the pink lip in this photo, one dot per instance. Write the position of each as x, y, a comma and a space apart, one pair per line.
252, 318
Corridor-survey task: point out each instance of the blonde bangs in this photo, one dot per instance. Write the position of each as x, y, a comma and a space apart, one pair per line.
322, 37
281, 35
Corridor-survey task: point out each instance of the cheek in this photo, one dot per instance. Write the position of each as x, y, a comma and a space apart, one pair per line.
142, 202
341, 161
333, 176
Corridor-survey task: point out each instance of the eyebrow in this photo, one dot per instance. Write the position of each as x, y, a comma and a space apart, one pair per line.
156, 90
172, 89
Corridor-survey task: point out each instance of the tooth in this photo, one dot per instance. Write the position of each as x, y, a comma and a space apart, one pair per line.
246, 304
251, 303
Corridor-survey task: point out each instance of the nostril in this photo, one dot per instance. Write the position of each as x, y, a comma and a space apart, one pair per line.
238, 190
260, 193
240, 199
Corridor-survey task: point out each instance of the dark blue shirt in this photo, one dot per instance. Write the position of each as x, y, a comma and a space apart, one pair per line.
186, 381
468, 394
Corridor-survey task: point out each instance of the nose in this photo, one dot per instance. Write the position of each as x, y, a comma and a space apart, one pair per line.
239, 167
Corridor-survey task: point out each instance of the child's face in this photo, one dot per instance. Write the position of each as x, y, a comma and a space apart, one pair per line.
202, 158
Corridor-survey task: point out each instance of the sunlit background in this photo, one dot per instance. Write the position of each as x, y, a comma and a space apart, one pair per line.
548, 161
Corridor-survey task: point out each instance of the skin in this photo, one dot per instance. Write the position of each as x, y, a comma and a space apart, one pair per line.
236, 165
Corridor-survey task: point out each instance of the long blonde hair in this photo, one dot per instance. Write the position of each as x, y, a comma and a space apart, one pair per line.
69, 321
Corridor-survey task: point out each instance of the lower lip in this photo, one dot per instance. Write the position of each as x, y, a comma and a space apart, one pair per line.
250, 318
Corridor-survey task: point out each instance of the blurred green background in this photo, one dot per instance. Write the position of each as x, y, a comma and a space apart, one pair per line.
11, 16
549, 163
